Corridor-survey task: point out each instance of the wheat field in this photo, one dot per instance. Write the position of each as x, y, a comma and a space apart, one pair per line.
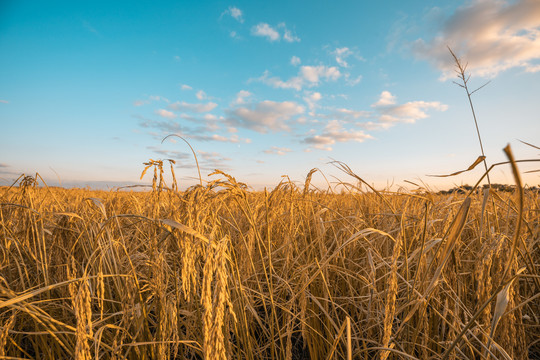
220, 271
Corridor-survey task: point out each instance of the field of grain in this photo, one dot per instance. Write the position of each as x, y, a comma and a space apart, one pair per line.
223, 272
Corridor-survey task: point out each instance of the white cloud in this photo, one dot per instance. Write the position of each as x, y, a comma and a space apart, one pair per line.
264, 116
341, 54
177, 58
232, 139
308, 75
272, 33
186, 87
343, 124
219, 138
316, 96
241, 97
312, 98
166, 114
265, 30
235, 139
490, 35
295, 83
4, 101
201, 95
374, 125
335, 132
277, 151
348, 114
314, 73
209, 119
288, 36
236, 13
386, 98
197, 108
409, 112
295, 60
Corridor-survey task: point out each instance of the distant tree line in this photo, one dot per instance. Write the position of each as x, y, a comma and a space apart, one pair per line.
497, 187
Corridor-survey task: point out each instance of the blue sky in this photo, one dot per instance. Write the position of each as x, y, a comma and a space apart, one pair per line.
265, 89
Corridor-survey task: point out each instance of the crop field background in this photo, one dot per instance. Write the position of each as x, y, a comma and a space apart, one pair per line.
370, 260
223, 272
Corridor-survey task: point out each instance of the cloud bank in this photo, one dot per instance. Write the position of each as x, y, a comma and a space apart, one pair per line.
490, 35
